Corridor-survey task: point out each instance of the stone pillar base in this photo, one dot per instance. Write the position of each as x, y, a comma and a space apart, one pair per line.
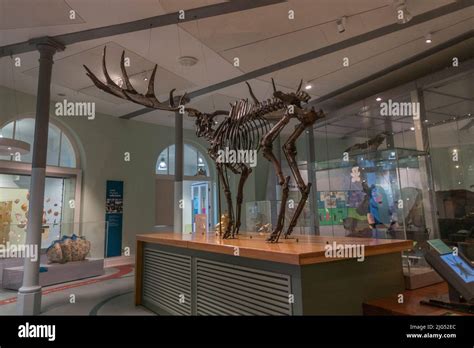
29, 301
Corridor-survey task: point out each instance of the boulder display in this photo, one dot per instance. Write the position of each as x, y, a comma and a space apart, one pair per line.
68, 249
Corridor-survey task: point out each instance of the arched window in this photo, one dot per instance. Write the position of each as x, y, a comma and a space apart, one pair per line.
62, 184
195, 163
60, 149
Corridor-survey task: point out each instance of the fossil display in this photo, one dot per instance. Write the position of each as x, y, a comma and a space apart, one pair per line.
372, 144
244, 130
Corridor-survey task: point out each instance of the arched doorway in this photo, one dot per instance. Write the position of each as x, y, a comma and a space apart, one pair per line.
198, 188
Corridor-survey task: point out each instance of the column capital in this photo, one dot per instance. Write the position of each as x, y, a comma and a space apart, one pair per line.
47, 44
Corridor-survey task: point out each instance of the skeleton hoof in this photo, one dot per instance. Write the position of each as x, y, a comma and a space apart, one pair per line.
274, 237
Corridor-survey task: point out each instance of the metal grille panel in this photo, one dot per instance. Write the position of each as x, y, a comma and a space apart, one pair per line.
166, 279
225, 289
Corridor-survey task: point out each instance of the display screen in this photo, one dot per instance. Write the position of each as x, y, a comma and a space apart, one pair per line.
462, 268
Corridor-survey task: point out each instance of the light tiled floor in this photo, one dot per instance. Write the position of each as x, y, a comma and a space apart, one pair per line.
105, 295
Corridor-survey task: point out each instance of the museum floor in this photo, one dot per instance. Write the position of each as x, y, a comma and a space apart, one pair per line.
110, 294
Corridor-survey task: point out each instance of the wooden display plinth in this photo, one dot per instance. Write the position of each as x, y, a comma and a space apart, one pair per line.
205, 275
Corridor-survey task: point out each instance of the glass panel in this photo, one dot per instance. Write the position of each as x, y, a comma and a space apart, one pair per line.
25, 129
194, 162
14, 206
190, 160
448, 105
25, 132
204, 199
69, 205
54, 139
53, 205
162, 164
67, 156
171, 160
258, 217
7, 132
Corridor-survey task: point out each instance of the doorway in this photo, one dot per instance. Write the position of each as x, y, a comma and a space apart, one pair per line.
199, 201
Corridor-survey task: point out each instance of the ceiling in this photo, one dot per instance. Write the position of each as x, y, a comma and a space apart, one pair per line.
449, 111
258, 37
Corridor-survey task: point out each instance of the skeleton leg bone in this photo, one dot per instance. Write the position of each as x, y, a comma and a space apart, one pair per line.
225, 183
275, 236
289, 150
267, 142
240, 197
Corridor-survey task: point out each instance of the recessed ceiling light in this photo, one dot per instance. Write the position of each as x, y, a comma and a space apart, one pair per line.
145, 78
187, 60
428, 38
308, 86
412, 128
378, 99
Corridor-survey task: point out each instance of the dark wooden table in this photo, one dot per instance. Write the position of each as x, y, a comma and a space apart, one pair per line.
411, 304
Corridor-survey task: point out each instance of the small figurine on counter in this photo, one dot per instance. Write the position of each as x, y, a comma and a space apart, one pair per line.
222, 225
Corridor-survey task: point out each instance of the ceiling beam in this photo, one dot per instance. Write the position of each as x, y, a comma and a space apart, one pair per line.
465, 66
448, 95
356, 40
143, 24
456, 40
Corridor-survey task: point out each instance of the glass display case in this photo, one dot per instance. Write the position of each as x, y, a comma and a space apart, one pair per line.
379, 194
258, 217
374, 194
58, 209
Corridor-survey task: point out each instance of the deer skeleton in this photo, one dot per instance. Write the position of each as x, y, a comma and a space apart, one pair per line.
245, 127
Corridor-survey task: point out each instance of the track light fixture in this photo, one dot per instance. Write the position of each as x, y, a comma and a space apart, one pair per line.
341, 24
403, 16
428, 38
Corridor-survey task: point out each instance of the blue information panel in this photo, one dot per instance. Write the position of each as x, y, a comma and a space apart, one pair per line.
113, 216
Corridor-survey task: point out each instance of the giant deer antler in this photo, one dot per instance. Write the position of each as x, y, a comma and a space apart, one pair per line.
129, 93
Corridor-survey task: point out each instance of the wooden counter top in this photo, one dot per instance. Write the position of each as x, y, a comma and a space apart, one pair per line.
300, 250
411, 303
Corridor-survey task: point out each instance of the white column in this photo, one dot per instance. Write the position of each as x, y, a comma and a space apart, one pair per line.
29, 295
